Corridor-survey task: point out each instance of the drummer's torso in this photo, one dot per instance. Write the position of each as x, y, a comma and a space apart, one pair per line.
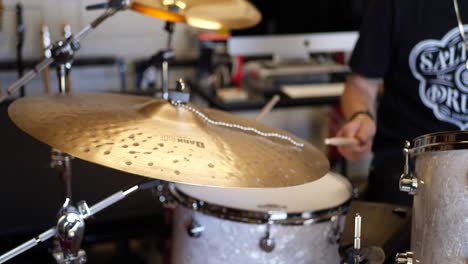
426, 87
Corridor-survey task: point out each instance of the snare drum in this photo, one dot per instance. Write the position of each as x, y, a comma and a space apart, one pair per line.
438, 178
299, 224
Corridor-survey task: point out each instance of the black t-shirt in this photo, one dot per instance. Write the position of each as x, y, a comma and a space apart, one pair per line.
415, 46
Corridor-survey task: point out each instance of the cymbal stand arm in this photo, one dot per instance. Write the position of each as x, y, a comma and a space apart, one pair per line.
85, 212
64, 47
147, 184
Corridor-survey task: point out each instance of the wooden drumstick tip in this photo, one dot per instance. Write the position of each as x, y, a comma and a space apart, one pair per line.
268, 107
341, 141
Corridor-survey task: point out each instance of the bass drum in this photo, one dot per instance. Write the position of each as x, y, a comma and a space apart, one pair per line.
299, 224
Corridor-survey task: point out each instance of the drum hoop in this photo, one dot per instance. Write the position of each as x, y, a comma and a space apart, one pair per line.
440, 141
254, 217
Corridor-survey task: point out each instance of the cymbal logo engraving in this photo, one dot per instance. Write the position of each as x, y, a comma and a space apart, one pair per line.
184, 140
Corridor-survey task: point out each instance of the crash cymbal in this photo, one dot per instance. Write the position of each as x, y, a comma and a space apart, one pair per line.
154, 138
208, 14
158, 10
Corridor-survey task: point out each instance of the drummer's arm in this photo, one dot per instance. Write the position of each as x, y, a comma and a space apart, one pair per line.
359, 96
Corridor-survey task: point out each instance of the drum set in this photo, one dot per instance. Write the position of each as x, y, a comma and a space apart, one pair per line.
243, 192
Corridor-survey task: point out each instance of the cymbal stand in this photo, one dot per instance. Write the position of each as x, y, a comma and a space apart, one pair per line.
162, 58
70, 225
62, 162
64, 62
63, 50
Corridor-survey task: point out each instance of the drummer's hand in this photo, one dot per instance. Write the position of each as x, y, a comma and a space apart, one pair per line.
363, 129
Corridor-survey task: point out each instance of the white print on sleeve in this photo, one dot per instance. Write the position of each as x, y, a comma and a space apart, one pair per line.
440, 67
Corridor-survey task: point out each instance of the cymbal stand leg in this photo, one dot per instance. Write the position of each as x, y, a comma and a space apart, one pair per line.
71, 224
70, 221
66, 46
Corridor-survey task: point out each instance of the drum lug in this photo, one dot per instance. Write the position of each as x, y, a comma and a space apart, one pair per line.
194, 229
267, 243
408, 183
335, 231
161, 191
404, 258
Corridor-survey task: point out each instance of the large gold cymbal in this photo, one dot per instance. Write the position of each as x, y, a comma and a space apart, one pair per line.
153, 138
208, 14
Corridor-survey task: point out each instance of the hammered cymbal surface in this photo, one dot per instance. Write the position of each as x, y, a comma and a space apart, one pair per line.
208, 14
156, 139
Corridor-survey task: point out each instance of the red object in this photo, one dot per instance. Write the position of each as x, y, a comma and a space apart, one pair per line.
238, 66
213, 36
340, 57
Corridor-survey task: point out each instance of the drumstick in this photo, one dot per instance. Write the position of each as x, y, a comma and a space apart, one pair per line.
46, 42
67, 33
341, 141
267, 108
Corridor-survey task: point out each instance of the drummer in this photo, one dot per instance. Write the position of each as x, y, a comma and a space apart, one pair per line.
416, 48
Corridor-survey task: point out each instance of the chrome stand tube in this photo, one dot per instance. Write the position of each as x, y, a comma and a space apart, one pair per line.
165, 79
62, 162
28, 245
63, 72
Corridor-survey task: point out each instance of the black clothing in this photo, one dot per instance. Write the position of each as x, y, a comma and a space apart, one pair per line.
384, 177
415, 46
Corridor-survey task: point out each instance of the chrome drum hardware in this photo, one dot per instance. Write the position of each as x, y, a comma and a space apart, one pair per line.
436, 172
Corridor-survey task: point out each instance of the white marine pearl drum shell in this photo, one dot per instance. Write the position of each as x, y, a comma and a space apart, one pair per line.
226, 241
440, 214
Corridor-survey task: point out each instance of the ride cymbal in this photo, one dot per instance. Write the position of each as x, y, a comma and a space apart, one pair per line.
154, 138
207, 14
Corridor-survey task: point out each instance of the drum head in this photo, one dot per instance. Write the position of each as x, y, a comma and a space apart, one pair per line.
329, 191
